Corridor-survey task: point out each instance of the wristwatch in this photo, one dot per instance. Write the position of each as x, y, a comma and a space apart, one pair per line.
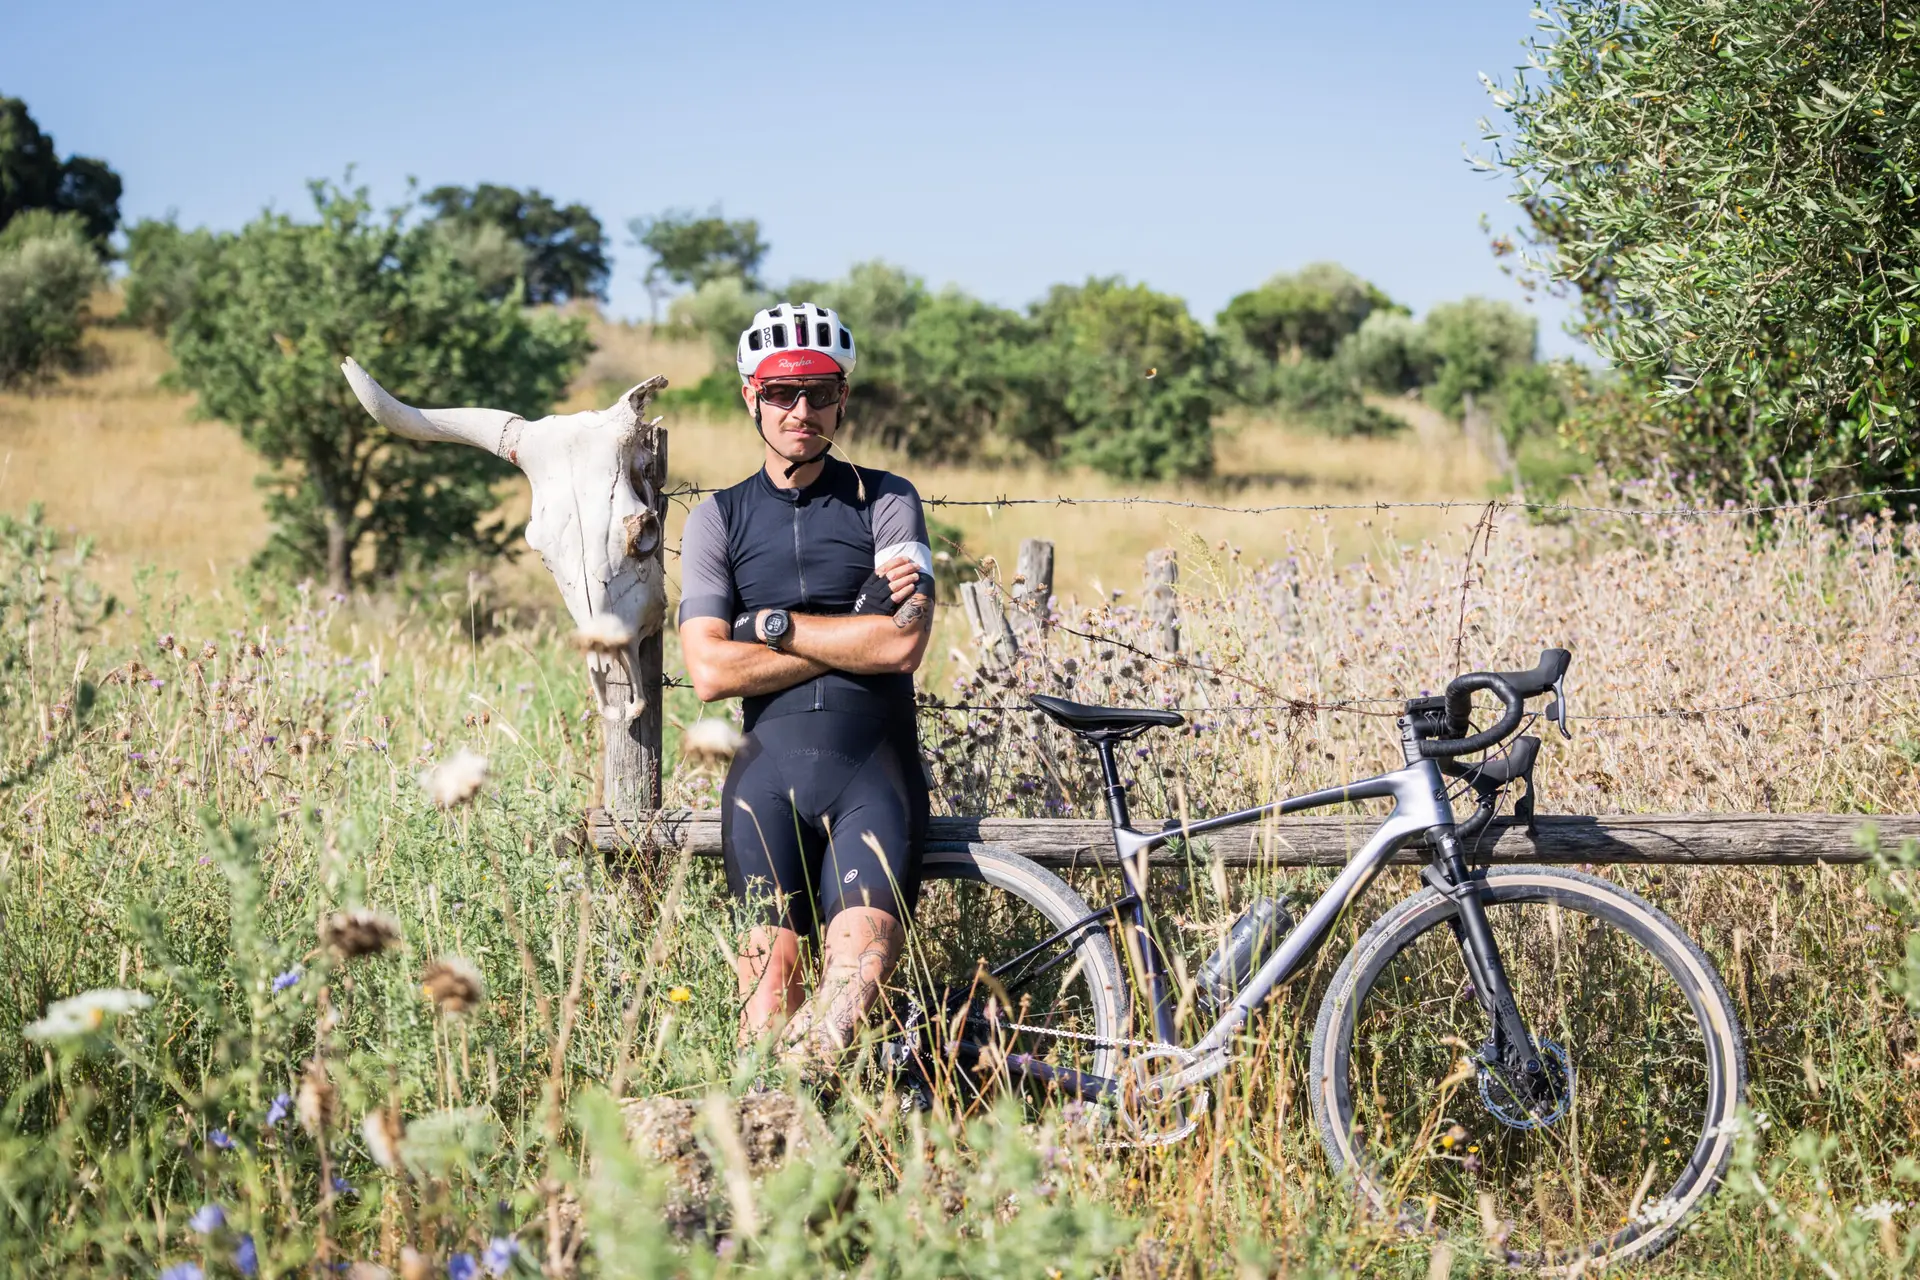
777, 627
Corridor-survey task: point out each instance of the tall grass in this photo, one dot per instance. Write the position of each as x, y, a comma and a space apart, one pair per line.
185, 804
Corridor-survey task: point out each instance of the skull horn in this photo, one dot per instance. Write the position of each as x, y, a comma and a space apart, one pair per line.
481, 428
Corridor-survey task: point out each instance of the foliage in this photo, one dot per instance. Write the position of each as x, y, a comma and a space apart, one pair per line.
32, 176
692, 250
1305, 314
165, 265
1321, 395
1389, 352
503, 234
1476, 343
48, 271
1730, 188
279, 308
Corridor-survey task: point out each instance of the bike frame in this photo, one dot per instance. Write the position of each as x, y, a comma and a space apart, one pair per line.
1420, 808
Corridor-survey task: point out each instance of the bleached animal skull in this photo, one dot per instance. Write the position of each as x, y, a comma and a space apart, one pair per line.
594, 522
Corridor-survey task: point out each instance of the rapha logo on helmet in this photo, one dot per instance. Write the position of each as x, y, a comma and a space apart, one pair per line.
794, 366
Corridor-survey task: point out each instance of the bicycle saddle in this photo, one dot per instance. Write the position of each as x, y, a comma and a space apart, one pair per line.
1083, 719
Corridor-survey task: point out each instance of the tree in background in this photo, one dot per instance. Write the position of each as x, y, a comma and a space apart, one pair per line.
48, 270
1730, 190
1475, 344
32, 176
691, 251
282, 303
165, 265
503, 235
1304, 315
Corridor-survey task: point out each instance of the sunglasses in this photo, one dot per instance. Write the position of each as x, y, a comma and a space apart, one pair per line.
821, 393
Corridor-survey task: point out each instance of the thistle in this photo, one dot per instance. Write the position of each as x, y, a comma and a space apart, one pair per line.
454, 985
454, 782
359, 931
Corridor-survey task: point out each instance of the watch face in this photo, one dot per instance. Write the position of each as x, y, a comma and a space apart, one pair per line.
776, 624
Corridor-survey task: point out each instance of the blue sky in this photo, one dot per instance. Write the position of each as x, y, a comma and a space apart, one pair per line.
997, 147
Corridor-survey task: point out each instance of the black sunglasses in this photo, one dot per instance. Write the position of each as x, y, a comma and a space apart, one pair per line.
821, 393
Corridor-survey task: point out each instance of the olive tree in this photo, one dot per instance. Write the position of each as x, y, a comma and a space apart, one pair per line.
277, 309
1730, 190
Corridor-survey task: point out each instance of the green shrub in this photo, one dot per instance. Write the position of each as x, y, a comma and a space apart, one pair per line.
165, 265
47, 273
1389, 352
1304, 314
1318, 394
1476, 343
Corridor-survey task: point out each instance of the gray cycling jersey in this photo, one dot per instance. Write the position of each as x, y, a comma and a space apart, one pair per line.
756, 546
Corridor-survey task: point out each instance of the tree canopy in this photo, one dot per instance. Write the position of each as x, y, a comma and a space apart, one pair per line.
503, 233
691, 250
33, 176
279, 306
1730, 189
1305, 314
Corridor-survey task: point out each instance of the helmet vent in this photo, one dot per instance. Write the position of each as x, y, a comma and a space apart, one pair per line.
822, 336
753, 339
846, 340
779, 335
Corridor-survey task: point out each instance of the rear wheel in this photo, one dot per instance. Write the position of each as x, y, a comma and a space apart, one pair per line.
1631, 1018
1003, 953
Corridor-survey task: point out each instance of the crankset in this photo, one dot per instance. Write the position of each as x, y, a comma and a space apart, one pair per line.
1150, 1114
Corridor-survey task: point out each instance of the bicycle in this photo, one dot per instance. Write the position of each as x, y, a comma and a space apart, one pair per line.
1530, 1033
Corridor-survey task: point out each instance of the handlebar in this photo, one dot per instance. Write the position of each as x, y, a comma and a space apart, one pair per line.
1513, 688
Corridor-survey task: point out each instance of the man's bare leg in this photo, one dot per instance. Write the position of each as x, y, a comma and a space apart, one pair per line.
771, 989
857, 954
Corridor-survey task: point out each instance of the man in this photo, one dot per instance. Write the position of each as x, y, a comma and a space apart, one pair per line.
807, 590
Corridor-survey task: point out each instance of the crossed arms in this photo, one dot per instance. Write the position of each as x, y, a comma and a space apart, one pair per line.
861, 644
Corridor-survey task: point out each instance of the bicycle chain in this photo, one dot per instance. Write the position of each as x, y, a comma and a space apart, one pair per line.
1088, 1037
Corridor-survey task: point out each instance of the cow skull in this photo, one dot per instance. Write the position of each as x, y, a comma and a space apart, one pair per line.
595, 522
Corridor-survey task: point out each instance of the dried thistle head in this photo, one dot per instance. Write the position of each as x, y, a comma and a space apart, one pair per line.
709, 744
454, 985
384, 1133
314, 1103
454, 782
359, 931
603, 633
415, 1265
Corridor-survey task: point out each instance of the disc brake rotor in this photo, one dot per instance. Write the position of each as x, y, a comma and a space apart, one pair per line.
1512, 1112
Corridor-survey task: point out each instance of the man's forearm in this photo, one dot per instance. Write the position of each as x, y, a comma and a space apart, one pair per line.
863, 644
733, 669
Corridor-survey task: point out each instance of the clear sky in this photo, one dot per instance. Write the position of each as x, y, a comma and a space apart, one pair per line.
1000, 147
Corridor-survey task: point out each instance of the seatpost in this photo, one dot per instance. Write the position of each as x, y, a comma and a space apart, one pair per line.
1116, 789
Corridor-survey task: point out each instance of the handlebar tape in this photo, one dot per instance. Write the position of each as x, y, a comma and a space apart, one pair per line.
1460, 706
1530, 684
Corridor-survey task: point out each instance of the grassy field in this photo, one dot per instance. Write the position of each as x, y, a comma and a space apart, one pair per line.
194, 788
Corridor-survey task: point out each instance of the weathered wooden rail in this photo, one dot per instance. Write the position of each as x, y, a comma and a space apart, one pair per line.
1682, 839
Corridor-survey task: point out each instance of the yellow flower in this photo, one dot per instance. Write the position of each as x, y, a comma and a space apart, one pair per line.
679, 995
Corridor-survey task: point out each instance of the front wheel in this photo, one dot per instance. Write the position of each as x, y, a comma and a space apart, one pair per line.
1630, 1016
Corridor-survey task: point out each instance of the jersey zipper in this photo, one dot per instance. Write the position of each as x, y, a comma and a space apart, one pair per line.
800, 574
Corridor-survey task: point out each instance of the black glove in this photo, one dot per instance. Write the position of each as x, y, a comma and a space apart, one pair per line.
876, 596
743, 628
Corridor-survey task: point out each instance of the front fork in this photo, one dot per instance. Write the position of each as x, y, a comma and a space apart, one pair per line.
1510, 1049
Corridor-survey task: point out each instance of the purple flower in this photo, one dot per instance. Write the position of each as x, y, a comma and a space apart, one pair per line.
208, 1219
141, 793
218, 1139
277, 1112
246, 1258
183, 1271
461, 1266
282, 981
341, 1187
499, 1254
158, 684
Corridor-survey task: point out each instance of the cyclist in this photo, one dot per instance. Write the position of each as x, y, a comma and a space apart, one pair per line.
807, 590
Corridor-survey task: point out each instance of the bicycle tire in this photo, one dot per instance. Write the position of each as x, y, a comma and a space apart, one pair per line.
1605, 1211
990, 894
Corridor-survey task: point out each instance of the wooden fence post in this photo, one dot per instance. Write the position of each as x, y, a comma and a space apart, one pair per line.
1033, 584
1163, 602
631, 753
989, 622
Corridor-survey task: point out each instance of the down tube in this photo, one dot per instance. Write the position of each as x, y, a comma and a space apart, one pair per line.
1307, 936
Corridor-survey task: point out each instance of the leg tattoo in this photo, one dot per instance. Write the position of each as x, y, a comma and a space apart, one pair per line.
860, 950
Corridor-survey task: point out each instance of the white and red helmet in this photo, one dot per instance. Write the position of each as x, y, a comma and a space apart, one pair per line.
796, 340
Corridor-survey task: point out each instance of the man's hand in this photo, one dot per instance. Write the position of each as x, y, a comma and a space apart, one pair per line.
902, 575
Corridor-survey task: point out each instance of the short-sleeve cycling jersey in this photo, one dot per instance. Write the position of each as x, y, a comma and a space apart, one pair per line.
825, 806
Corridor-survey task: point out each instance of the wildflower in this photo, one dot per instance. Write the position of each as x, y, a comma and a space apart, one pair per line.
219, 1140
1658, 1213
246, 1258
315, 1103
1453, 1137
455, 782
709, 743
679, 995
414, 1264
359, 931
453, 985
499, 1254
1878, 1211
461, 1266
183, 1271
282, 981
603, 633
277, 1110
208, 1219
87, 1012
383, 1132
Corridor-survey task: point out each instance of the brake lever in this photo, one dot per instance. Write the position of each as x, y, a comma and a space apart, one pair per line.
1557, 709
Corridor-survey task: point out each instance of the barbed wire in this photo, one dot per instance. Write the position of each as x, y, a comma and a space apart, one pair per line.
1449, 504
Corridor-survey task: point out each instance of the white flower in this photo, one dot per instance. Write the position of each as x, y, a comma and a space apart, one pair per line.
454, 782
1658, 1213
709, 743
1879, 1210
384, 1133
603, 633
86, 1012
